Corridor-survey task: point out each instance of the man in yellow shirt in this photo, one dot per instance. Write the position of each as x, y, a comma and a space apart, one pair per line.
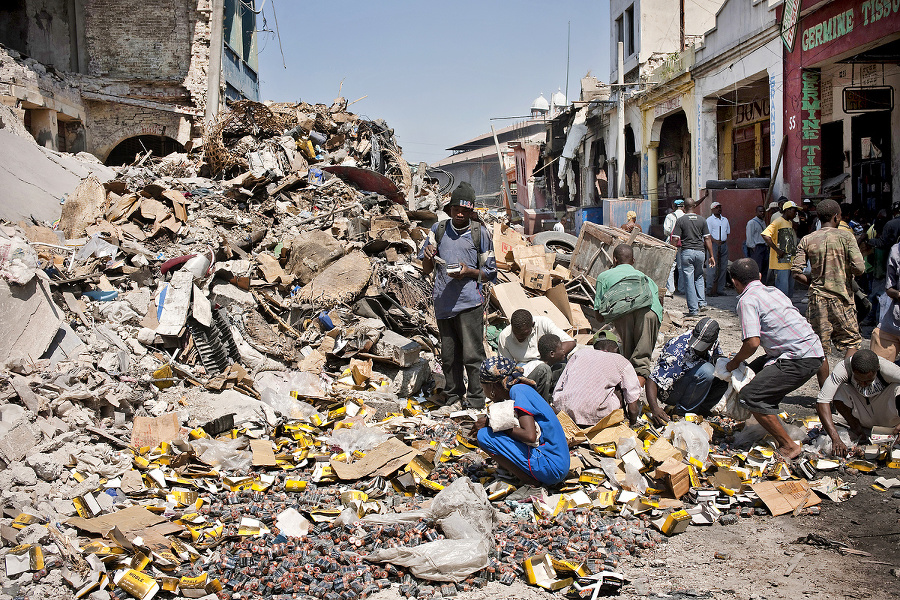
782, 242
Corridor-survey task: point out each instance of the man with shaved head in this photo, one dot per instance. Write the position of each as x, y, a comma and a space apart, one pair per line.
638, 327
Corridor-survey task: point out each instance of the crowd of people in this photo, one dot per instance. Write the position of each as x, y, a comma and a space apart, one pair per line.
539, 371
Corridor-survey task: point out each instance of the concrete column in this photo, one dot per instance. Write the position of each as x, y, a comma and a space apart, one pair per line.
708, 147
652, 176
44, 127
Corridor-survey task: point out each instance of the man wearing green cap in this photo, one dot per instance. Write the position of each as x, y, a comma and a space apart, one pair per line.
461, 255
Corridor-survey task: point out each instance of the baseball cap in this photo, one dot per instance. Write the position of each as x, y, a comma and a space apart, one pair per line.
705, 334
715, 204
788, 204
679, 201
605, 334
463, 196
773, 205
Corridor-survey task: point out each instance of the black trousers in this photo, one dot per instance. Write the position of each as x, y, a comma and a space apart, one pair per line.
462, 349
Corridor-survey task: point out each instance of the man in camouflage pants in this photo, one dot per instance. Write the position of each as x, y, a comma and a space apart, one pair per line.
834, 260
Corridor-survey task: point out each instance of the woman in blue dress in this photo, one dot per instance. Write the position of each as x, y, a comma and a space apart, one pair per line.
535, 450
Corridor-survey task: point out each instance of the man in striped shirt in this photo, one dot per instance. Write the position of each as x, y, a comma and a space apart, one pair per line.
793, 352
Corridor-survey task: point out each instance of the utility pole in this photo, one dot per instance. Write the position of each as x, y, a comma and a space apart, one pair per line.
681, 21
620, 137
508, 202
216, 48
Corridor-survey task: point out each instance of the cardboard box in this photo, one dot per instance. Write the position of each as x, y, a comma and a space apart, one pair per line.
536, 278
782, 497
505, 239
676, 475
534, 255
673, 523
539, 571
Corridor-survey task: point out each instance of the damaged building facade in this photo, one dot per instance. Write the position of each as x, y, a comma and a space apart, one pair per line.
115, 78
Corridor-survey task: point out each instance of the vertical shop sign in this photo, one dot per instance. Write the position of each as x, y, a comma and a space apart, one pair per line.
811, 132
789, 20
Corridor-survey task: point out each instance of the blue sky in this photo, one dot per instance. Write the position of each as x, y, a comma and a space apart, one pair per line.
436, 72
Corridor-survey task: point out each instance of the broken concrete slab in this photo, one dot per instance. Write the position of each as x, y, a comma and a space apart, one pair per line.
340, 283
29, 320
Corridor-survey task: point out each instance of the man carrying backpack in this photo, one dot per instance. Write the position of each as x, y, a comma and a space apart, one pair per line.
462, 257
630, 301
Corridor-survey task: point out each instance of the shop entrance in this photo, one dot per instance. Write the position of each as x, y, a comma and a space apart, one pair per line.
674, 159
871, 135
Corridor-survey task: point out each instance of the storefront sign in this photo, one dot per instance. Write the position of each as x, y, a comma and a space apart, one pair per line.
842, 24
811, 133
667, 106
868, 99
789, 23
751, 112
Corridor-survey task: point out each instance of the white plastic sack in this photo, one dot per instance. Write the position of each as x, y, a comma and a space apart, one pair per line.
18, 260
225, 455
96, 246
275, 389
730, 405
360, 438
467, 520
689, 436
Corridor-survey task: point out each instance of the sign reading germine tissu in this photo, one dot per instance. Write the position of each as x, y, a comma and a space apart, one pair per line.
811, 132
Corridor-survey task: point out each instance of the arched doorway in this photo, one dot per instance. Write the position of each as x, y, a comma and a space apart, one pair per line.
674, 159
127, 150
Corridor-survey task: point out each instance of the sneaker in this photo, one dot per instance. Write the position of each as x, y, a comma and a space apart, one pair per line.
669, 294
691, 314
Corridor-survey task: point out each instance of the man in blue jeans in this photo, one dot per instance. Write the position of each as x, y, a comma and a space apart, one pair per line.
691, 233
684, 375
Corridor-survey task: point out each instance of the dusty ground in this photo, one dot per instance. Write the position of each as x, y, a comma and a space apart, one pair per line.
758, 551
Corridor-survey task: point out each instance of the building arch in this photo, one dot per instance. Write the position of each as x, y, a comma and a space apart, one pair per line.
125, 150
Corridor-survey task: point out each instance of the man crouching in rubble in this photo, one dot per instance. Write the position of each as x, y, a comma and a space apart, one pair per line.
863, 389
462, 257
793, 350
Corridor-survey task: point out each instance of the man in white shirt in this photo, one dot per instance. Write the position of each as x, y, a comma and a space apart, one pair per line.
560, 226
519, 342
668, 226
719, 229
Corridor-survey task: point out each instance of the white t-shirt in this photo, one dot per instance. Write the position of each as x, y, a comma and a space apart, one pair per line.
559, 227
521, 352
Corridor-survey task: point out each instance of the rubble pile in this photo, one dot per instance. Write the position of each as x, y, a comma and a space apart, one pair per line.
220, 375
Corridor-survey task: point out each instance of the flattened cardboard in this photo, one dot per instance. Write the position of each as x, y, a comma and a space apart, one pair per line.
661, 449
612, 434
574, 434
541, 305
382, 460
263, 455
782, 497
613, 418
510, 296
150, 431
128, 519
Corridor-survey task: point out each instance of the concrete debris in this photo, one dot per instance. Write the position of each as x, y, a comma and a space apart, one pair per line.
223, 379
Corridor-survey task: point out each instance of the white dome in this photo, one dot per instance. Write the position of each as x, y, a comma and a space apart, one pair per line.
540, 104
559, 99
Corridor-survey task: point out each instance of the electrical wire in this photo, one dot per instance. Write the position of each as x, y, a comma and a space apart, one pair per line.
278, 33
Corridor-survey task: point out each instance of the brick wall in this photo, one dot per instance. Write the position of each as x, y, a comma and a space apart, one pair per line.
108, 124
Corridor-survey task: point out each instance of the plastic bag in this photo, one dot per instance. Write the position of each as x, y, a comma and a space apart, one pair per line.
634, 481
822, 444
18, 260
275, 389
98, 247
690, 437
609, 467
625, 445
118, 312
467, 519
225, 455
360, 438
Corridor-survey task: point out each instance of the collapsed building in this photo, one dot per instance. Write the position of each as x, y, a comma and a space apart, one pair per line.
115, 78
